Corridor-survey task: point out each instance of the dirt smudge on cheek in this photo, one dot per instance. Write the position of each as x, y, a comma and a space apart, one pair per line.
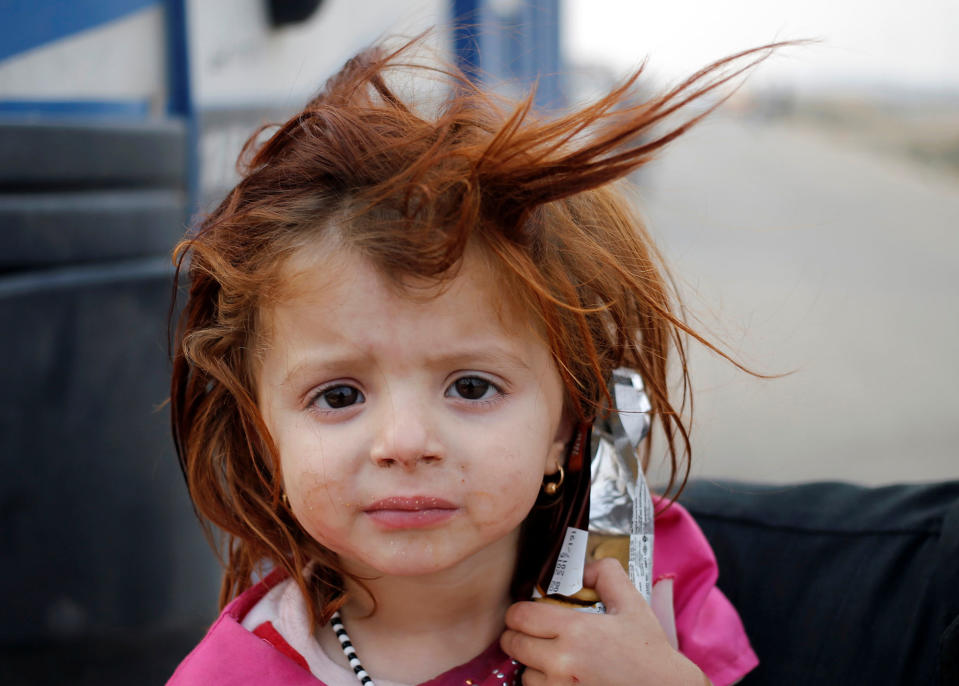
322, 494
489, 508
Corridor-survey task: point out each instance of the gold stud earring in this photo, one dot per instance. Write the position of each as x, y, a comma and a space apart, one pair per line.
552, 487
286, 501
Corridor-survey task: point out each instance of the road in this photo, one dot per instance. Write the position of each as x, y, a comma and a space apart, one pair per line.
807, 255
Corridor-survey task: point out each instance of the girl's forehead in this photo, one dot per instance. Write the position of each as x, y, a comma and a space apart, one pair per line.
317, 273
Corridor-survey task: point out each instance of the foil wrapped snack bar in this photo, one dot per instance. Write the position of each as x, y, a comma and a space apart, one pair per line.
608, 506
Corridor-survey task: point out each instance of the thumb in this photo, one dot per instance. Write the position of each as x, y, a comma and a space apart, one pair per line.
611, 583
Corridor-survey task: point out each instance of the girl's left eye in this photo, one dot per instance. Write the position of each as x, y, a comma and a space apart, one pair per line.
472, 388
338, 397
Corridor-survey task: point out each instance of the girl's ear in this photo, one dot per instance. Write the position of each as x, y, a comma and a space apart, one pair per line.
555, 457
567, 425
564, 434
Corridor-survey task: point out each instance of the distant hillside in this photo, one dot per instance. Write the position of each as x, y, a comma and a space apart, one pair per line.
924, 129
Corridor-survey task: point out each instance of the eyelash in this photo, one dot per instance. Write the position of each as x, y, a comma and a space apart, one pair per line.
483, 401
320, 393
360, 398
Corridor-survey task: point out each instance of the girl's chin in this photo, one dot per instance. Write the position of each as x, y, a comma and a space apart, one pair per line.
427, 554
408, 562
401, 568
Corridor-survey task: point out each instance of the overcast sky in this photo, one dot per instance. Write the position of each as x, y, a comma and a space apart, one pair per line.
870, 43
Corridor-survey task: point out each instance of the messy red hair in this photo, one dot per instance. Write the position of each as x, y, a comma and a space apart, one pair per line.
410, 191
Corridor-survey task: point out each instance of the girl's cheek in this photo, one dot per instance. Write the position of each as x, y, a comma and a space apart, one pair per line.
321, 491
508, 500
497, 513
314, 496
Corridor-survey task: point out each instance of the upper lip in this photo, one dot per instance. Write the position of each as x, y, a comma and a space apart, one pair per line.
411, 503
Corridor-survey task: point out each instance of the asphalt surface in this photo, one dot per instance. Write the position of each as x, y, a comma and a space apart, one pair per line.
805, 254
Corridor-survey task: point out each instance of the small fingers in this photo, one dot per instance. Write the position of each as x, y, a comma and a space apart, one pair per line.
534, 619
610, 581
545, 659
520, 647
543, 654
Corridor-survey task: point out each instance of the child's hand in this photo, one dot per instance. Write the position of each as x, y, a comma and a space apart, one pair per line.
559, 645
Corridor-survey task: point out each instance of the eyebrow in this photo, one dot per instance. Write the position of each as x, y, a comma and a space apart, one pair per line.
468, 356
484, 353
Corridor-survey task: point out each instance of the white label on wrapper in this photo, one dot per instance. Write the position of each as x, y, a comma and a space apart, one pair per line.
641, 563
641, 539
568, 574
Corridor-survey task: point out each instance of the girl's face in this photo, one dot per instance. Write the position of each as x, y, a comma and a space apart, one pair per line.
414, 434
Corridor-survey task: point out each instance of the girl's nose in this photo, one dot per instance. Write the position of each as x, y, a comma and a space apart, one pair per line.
404, 436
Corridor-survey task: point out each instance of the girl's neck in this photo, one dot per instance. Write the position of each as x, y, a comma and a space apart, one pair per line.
424, 626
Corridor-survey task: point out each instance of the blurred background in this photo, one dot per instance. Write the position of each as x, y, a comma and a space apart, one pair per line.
811, 225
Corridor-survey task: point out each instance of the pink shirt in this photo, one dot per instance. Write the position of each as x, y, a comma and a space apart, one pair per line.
708, 628
279, 650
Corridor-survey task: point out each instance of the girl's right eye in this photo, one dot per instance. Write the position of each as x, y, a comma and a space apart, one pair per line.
472, 388
338, 397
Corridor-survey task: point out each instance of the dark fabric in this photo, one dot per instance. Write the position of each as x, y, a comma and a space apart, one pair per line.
836, 583
949, 650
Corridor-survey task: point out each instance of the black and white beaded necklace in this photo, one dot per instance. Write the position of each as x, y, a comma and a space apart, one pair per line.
336, 621
344, 638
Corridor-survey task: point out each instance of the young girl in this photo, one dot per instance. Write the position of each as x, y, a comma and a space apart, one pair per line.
398, 323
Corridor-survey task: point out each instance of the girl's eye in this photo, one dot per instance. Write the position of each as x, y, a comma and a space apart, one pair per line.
338, 397
472, 388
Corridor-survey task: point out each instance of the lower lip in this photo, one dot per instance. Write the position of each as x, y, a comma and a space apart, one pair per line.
410, 519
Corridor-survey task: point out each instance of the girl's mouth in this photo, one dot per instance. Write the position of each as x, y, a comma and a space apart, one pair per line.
410, 512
